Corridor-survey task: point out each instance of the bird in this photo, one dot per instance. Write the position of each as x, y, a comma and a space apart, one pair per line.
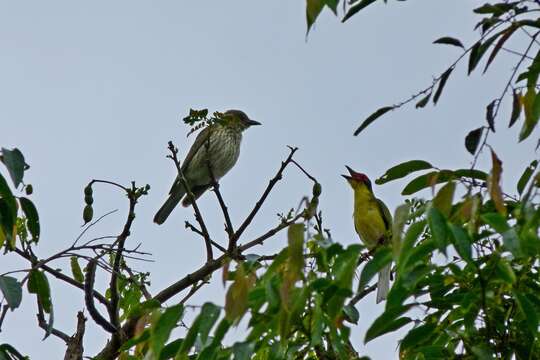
217, 146
372, 222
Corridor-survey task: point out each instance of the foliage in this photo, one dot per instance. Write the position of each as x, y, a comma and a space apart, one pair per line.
465, 259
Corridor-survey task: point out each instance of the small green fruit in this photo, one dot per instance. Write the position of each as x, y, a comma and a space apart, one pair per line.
88, 214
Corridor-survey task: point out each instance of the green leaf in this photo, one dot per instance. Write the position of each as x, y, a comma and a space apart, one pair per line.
496, 9
243, 350
478, 50
237, 295
444, 199
356, 8
39, 285
442, 83
207, 318
416, 336
510, 237
11, 290
438, 227
136, 340
317, 323
352, 313
423, 102
371, 118
505, 271
32, 217
332, 4
531, 106
446, 40
505, 36
295, 237
490, 117
387, 322
424, 181
345, 266
401, 216
411, 236
170, 350
163, 327
194, 331
313, 9
10, 353
14, 161
462, 242
471, 173
472, 140
524, 179
217, 339
401, 170
529, 312
516, 108
381, 258
76, 269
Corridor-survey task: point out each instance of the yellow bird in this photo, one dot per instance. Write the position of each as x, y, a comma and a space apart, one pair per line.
372, 222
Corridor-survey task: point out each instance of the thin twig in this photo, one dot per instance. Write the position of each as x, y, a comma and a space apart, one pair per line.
269, 233
263, 197
113, 308
43, 324
228, 224
198, 216
59, 275
199, 232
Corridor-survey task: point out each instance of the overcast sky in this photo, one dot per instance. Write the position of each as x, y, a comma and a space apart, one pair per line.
96, 89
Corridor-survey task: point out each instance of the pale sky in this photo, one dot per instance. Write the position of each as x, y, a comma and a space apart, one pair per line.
96, 89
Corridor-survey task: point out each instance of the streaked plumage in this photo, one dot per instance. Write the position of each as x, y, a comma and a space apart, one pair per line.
372, 222
218, 145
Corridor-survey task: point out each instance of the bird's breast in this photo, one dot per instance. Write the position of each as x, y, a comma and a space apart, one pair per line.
222, 151
369, 224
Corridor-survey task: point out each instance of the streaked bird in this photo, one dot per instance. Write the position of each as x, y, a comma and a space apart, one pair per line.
217, 146
372, 222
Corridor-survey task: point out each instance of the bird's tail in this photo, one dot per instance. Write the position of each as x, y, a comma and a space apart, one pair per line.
383, 285
169, 205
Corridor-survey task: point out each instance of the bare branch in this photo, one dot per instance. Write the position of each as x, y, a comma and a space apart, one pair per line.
61, 276
113, 307
198, 216
43, 324
262, 199
89, 299
269, 233
199, 232
75, 348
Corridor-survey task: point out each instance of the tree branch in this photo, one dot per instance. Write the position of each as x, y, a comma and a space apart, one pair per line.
198, 216
75, 347
262, 199
89, 299
57, 274
113, 308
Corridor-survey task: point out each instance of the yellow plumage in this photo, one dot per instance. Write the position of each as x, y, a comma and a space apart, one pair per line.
372, 222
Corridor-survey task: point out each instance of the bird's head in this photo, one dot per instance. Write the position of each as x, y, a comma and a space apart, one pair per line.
357, 180
238, 119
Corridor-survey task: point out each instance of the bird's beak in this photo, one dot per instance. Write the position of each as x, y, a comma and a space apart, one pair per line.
351, 171
253, 122
347, 177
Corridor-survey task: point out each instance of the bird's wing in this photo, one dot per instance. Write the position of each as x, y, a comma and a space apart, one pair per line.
201, 138
387, 216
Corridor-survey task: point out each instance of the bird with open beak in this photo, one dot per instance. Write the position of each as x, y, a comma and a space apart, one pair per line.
372, 222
